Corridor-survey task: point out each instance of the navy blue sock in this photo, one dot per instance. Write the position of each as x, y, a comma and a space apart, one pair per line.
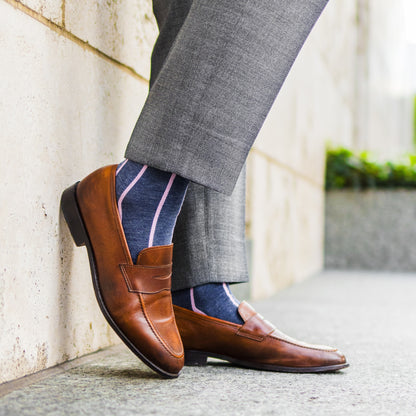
148, 201
212, 299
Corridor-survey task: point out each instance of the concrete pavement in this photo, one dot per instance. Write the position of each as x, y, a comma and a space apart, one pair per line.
371, 317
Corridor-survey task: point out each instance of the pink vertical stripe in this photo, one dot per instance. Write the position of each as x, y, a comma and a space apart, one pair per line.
159, 208
121, 167
194, 308
229, 294
126, 191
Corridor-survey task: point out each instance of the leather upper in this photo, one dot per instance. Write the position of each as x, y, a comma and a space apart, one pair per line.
256, 341
137, 296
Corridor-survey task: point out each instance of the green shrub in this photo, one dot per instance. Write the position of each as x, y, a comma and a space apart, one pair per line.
346, 169
414, 120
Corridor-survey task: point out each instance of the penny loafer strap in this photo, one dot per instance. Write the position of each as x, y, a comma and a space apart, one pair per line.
147, 279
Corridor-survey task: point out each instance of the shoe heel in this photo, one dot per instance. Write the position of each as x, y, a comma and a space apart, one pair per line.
72, 215
195, 358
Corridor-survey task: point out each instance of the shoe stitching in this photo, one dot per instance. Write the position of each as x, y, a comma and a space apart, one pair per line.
128, 257
210, 319
126, 279
116, 219
123, 268
154, 329
258, 338
202, 318
302, 346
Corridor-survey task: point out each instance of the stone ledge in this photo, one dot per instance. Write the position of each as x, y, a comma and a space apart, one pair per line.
371, 230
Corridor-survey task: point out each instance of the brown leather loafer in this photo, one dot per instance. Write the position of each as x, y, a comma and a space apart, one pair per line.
134, 298
255, 344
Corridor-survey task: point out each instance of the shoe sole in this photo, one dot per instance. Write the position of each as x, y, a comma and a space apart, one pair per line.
76, 225
199, 358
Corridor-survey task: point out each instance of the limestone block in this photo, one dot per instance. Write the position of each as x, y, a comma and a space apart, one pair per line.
310, 216
333, 41
370, 230
271, 217
124, 29
285, 221
67, 112
51, 9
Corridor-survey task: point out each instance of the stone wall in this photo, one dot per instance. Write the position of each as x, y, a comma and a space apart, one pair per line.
285, 211
72, 81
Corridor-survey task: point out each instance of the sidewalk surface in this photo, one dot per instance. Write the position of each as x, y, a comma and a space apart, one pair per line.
371, 317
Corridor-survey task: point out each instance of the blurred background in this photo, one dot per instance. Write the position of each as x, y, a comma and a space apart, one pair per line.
74, 75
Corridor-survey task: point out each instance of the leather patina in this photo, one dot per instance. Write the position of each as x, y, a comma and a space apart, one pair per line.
136, 297
255, 344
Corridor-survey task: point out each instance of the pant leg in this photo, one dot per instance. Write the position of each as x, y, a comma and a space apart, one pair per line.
170, 16
217, 85
209, 237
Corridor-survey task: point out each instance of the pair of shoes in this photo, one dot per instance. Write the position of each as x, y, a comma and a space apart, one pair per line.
135, 298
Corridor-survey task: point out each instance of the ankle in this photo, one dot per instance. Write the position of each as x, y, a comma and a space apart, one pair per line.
212, 299
148, 201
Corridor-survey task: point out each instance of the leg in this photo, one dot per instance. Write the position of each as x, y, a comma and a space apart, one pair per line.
209, 238
209, 221
207, 102
209, 251
217, 84
209, 247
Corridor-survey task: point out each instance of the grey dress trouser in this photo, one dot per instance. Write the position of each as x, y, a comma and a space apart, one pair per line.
217, 67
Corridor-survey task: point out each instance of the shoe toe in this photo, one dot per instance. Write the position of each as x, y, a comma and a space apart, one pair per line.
175, 365
340, 357
333, 358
